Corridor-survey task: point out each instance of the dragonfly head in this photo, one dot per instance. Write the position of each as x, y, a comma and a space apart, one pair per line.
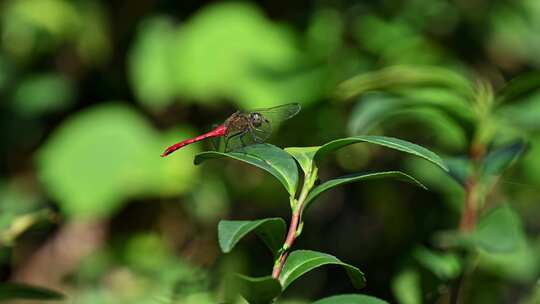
256, 119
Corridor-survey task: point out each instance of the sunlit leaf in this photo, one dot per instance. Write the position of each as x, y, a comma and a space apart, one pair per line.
270, 230
265, 156
150, 68
358, 177
258, 60
105, 155
406, 287
304, 156
17, 291
389, 142
300, 262
350, 299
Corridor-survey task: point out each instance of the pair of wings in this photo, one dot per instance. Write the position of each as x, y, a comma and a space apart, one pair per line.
248, 135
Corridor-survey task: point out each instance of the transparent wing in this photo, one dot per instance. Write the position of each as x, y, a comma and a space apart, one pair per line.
247, 137
278, 114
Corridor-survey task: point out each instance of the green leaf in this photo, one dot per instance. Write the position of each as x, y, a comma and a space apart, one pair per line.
265, 156
12, 291
522, 116
459, 168
497, 160
42, 94
397, 77
376, 109
371, 110
446, 266
259, 63
97, 160
358, 177
150, 66
270, 230
350, 299
259, 290
300, 262
519, 87
499, 231
304, 157
406, 287
433, 122
389, 142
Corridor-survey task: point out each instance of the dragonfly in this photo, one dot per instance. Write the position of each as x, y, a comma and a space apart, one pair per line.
244, 128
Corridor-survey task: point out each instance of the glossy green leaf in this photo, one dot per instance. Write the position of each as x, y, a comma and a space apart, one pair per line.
16, 291
265, 156
270, 230
304, 156
300, 262
389, 142
259, 290
350, 299
358, 177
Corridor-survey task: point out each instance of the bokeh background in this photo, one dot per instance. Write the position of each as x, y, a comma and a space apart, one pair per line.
91, 92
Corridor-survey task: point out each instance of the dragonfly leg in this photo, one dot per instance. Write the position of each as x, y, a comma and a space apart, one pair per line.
255, 138
242, 139
228, 138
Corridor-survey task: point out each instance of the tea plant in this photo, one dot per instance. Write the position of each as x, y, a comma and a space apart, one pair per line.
285, 165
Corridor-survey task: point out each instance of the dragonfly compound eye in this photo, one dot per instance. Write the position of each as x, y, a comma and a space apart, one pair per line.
256, 119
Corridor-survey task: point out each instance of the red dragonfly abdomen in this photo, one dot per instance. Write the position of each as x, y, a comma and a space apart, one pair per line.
217, 132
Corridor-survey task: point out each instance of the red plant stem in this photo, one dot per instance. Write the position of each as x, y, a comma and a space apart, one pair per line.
470, 207
468, 217
289, 241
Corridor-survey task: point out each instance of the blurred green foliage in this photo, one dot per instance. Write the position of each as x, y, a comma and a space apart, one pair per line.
96, 161
92, 91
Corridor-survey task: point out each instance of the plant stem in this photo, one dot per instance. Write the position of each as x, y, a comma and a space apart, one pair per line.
294, 231
483, 134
